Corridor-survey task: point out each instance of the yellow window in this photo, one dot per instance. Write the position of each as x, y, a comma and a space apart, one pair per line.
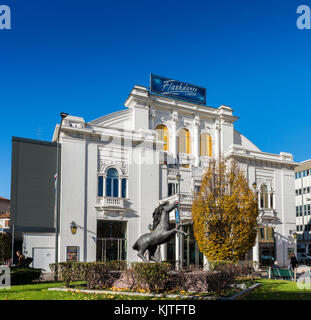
264, 197
163, 135
206, 145
184, 141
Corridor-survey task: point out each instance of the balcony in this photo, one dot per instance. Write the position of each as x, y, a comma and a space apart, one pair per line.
267, 214
186, 199
111, 205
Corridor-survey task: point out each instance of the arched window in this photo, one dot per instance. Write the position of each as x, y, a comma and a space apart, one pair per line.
100, 186
206, 145
163, 135
264, 197
112, 183
184, 141
123, 189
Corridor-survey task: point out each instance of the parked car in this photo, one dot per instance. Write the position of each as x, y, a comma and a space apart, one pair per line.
304, 258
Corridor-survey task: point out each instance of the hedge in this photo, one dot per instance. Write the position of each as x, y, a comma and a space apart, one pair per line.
77, 271
153, 277
24, 275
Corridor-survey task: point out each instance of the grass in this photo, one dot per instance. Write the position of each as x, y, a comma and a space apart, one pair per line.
278, 290
39, 291
269, 290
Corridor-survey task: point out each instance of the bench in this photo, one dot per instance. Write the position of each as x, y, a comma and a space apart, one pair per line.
278, 273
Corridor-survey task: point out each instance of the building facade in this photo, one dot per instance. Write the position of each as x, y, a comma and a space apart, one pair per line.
303, 206
4, 215
116, 169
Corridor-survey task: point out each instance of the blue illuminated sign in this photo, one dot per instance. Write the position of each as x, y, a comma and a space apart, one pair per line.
177, 217
177, 89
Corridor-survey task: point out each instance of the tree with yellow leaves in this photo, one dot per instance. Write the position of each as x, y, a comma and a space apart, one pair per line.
225, 213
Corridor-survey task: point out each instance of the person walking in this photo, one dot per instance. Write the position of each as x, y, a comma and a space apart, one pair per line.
21, 259
293, 262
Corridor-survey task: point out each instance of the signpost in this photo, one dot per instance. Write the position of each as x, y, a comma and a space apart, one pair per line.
177, 89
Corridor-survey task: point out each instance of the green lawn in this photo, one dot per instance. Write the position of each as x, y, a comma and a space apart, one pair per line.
278, 290
270, 290
40, 292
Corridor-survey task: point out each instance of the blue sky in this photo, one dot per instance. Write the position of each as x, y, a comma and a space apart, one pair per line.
83, 58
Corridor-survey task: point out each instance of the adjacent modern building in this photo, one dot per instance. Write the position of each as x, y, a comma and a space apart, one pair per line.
4, 215
303, 206
116, 169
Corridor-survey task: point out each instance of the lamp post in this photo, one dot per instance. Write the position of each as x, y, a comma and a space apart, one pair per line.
63, 115
177, 217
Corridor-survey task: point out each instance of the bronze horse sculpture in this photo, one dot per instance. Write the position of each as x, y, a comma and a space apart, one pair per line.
160, 234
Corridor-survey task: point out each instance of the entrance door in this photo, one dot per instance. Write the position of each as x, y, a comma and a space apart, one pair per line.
266, 246
42, 258
193, 258
111, 240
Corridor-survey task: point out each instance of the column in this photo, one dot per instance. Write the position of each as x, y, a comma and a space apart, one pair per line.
269, 199
217, 141
164, 252
120, 188
104, 185
177, 248
256, 253
206, 266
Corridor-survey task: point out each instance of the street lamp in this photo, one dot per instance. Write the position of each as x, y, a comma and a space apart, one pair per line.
73, 227
63, 115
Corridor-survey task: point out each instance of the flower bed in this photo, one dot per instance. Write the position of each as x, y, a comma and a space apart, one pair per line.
153, 277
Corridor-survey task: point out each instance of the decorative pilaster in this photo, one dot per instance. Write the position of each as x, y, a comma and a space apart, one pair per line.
217, 141
256, 253
196, 144
174, 134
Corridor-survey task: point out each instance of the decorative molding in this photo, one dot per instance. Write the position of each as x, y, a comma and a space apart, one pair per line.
269, 182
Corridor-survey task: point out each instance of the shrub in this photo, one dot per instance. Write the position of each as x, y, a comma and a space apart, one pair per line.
5, 247
24, 275
78, 271
101, 276
221, 276
150, 276
70, 271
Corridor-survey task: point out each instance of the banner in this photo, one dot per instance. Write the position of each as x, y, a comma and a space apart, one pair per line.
177, 89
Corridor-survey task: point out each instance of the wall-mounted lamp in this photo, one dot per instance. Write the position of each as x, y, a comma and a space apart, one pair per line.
63, 115
254, 185
73, 227
294, 233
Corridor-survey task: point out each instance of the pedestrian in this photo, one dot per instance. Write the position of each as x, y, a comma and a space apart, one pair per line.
21, 259
293, 262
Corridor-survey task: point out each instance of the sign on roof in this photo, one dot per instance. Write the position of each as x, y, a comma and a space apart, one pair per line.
177, 89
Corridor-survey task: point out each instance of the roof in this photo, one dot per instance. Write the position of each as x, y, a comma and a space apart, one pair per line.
4, 215
303, 166
1, 198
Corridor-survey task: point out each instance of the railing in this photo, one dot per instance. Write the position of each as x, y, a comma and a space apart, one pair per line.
110, 203
113, 202
185, 198
267, 213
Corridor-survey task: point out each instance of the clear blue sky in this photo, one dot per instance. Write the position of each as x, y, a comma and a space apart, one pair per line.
83, 57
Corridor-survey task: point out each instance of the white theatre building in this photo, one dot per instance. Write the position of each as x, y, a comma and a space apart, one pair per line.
116, 169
